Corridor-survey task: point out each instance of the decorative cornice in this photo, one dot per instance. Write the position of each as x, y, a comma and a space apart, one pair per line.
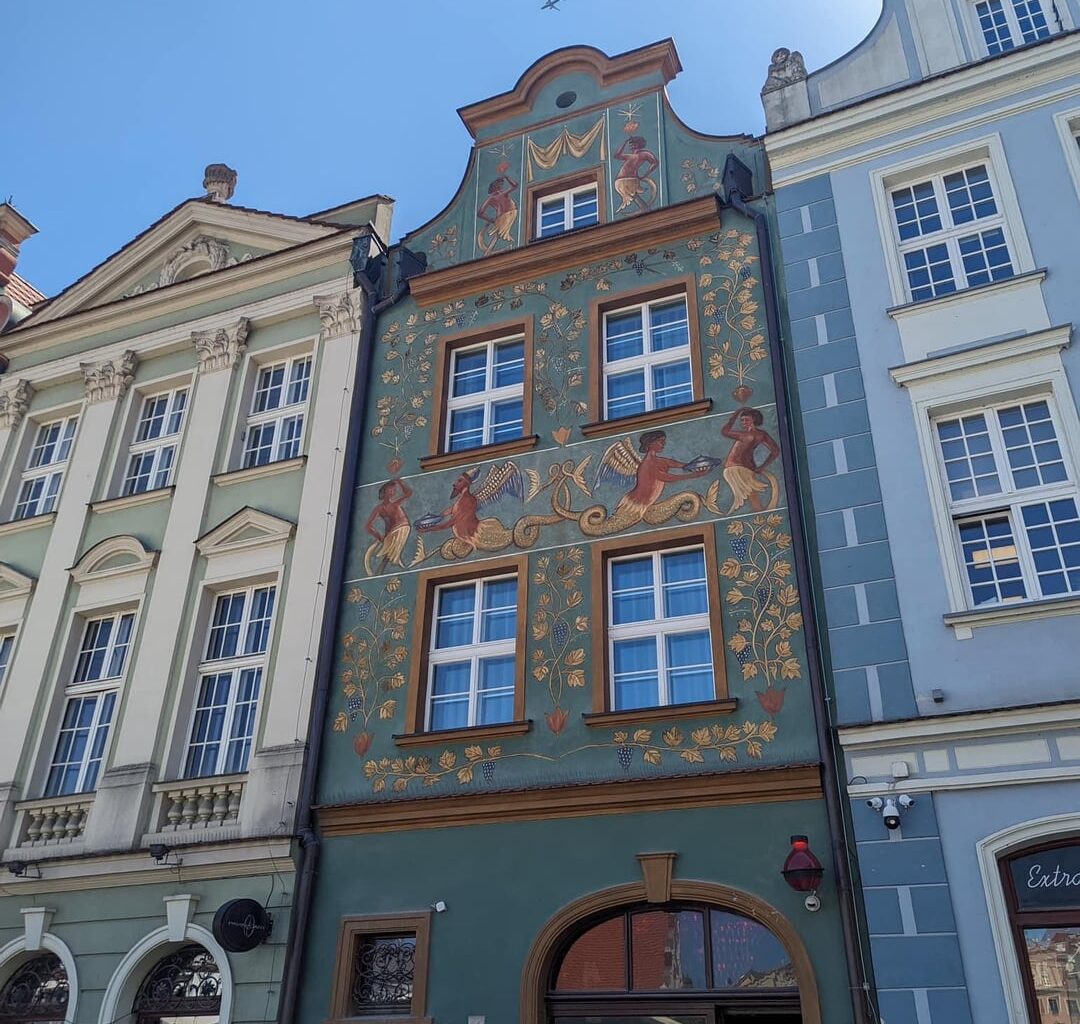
221, 349
109, 380
572, 249
797, 782
340, 314
14, 402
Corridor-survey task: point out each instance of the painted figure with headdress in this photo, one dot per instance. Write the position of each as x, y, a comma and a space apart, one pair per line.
461, 516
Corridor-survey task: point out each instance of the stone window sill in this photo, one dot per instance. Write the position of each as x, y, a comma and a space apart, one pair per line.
131, 500
29, 523
443, 460
964, 623
664, 713
476, 732
239, 476
628, 424
922, 305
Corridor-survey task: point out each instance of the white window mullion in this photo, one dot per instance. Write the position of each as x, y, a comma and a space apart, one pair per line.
1023, 550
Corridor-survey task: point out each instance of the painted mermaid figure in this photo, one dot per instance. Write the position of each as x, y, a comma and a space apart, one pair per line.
649, 473
461, 516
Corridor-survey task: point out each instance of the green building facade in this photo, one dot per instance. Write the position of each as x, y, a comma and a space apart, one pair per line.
571, 447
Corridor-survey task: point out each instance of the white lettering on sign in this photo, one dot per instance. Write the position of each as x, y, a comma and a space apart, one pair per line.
1039, 878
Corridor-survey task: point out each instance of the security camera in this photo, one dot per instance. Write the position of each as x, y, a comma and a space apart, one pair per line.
891, 808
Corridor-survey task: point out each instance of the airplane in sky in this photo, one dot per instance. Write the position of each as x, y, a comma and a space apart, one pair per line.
551, 5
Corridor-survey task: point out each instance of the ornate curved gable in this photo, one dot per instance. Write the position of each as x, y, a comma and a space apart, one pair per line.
577, 115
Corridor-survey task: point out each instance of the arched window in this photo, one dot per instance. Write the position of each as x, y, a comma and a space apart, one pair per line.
687, 963
185, 986
36, 992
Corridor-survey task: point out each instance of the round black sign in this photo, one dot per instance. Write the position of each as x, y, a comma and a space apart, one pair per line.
240, 925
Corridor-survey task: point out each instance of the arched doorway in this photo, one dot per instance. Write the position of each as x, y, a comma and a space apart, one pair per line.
680, 963
711, 954
181, 988
37, 992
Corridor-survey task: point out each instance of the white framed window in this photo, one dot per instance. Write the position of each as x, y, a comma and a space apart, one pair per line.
153, 450
563, 211
646, 354
230, 681
485, 397
1013, 500
472, 654
275, 425
91, 704
1007, 24
1068, 126
39, 488
7, 646
659, 631
951, 231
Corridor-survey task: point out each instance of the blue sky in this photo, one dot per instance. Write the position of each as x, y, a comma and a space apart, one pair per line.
115, 107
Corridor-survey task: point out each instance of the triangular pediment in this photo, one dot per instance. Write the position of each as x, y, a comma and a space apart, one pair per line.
14, 583
248, 528
197, 237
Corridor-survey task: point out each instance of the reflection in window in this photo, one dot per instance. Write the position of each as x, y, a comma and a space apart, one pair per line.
1054, 961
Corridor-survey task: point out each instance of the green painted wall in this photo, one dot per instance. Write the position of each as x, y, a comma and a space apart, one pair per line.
502, 883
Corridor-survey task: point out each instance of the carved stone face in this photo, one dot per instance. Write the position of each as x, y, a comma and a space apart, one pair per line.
781, 55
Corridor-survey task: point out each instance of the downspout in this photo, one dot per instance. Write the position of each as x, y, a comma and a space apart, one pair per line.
859, 983
305, 832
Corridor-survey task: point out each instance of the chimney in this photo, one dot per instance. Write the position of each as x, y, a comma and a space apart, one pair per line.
219, 180
14, 230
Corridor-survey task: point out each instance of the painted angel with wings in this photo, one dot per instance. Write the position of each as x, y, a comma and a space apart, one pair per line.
461, 516
646, 472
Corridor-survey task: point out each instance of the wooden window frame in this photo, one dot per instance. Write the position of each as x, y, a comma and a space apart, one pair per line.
552, 187
440, 458
416, 700
685, 287
1021, 919
603, 715
352, 928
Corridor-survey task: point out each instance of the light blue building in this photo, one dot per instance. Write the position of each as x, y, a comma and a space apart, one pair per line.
928, 194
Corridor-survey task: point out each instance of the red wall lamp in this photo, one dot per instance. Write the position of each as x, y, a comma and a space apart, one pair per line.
803, 871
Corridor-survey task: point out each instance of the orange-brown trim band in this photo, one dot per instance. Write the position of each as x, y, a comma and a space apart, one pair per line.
602, 241
664, 713
633, 796
472, 734
643, 420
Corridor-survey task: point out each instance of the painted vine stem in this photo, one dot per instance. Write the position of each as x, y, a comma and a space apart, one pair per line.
398, 773
767, 604
402, 411
736, 340
372, 653
557, 629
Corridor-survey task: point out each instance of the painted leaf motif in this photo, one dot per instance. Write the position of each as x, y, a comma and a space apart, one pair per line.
575, 677
379, 785
738, 643
400, 785
730, 568
465, 774
753, 748
576, 656
673, 738
642, 735
494, 751
474, 752
395, 682
790, 669
652, 756
581, 623
789, 596
620, 737
735, 595
447, 760
540, 628
749, 670
701, 736
540, 673
692, 756
387, 709
728, 754
341, 722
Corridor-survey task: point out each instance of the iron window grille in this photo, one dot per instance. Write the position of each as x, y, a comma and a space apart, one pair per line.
36, 992
184, 984
383, 975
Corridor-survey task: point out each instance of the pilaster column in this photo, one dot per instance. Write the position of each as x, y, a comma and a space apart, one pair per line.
123, 787
284, 714
26, 702
14, 401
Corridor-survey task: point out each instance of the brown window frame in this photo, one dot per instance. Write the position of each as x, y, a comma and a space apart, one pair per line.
416, 699
703, 534
1021, 919
440, 458
553, 186
685, 287
417, 924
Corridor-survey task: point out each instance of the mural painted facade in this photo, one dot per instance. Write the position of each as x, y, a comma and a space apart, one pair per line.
547, 507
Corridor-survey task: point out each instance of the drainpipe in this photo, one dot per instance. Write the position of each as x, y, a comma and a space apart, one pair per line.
736, 174
305, 831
